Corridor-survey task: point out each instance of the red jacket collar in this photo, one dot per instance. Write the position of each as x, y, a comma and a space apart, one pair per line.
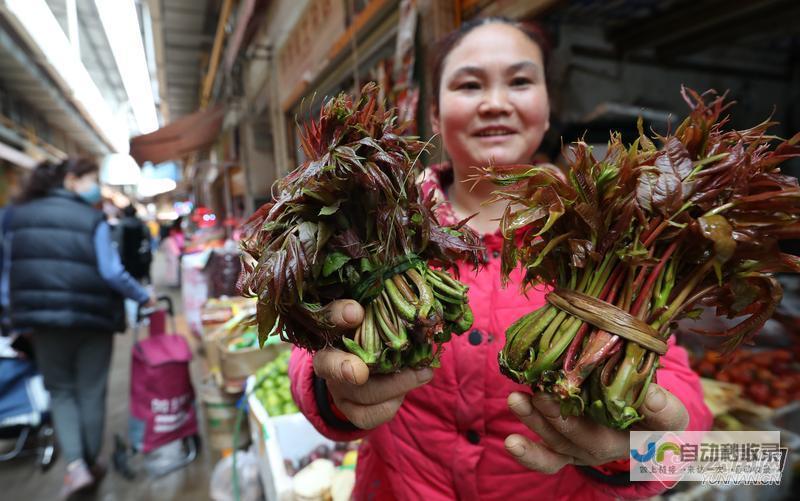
436, 178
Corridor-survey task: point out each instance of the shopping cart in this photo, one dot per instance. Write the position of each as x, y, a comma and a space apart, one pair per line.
163, 418
24, 408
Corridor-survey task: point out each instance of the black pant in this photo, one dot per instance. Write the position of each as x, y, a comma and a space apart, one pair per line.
75, 369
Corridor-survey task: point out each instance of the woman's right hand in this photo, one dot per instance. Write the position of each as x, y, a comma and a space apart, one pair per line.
366, 400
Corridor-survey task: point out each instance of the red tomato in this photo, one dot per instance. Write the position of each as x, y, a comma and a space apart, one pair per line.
777, 402
780, 384
765, 375
706, 369
782, 355
759, 392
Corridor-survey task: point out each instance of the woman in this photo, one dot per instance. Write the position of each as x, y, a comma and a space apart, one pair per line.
63, 281
465, 431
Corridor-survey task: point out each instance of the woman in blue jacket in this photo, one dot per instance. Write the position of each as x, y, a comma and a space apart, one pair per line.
63, 281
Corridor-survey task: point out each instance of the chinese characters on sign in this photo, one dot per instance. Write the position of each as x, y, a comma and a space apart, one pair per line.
306, 48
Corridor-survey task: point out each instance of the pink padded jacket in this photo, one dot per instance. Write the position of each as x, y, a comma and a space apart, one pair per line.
446, 441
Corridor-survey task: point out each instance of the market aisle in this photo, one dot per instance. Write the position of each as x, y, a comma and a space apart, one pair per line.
21, 479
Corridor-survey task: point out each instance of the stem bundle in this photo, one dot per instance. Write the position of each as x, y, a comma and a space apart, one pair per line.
638, 240
350, 222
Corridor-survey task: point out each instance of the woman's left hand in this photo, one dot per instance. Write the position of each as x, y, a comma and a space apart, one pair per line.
579, 440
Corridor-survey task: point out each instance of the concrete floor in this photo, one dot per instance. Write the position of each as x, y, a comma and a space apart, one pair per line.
23, 480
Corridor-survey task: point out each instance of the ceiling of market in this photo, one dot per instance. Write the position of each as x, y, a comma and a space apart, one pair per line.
185, 30
182, 32
760, 36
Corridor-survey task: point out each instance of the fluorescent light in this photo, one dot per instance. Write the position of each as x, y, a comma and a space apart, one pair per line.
152, 187
121, 24
167, 215
120, 170
38, 21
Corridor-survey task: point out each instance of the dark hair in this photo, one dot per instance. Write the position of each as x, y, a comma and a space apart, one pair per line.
446, 44
129, 211
48, 176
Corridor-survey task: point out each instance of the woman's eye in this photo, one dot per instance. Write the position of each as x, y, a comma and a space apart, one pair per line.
468, 86
520, 81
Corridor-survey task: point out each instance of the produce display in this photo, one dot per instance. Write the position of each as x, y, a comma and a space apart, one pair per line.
223, 269
240, 331
637, 240
272, 387
342, 454
768, 377
321, 480
350, 222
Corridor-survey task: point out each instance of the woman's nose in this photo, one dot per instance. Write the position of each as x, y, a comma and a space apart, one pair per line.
495, 101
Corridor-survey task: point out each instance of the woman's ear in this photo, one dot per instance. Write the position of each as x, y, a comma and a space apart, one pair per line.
69, 181
434, 118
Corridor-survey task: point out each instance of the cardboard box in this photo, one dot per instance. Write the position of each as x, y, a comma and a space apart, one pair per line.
290, 436
237, 366
219, 411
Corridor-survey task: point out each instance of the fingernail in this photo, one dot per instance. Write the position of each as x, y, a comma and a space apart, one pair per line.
350, 313
516, 448
348, 373
656, 399
520, 404
424, 375
547, 406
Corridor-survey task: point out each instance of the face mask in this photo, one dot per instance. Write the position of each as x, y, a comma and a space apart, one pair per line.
91, 195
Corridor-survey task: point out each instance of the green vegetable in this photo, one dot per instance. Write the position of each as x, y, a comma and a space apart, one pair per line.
274, 391
352, 223
633, 242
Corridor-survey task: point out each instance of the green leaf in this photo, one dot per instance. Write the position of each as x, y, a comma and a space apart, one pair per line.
329, 209
717, 229
695, 313
366, 265
333, 262
267, 318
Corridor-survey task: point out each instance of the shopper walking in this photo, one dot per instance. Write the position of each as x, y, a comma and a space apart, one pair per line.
63, 282
134, 244
464, 431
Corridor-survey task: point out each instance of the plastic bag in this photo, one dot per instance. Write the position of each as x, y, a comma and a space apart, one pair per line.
221, 488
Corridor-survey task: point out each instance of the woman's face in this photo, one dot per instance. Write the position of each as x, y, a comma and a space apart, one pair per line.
80, 184
493, 105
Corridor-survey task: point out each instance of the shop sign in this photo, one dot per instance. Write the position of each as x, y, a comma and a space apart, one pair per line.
305, 50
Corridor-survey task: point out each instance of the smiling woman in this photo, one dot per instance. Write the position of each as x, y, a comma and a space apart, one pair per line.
490, 105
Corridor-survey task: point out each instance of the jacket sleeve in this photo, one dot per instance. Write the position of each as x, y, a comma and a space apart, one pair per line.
109, 265
674, 375
310, 394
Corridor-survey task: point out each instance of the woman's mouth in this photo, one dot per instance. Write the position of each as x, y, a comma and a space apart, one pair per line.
494, 132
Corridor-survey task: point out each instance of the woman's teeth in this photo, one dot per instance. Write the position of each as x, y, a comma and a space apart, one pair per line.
494, 133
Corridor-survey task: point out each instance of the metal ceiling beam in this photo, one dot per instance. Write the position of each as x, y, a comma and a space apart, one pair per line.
54, 93
693, 20
156, 8
216, 53
89, 41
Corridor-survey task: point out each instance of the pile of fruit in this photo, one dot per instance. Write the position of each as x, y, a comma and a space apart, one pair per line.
769, 377
272, 387
342, 454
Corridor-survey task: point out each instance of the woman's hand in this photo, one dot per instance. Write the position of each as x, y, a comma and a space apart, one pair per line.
367, 401
579, 440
